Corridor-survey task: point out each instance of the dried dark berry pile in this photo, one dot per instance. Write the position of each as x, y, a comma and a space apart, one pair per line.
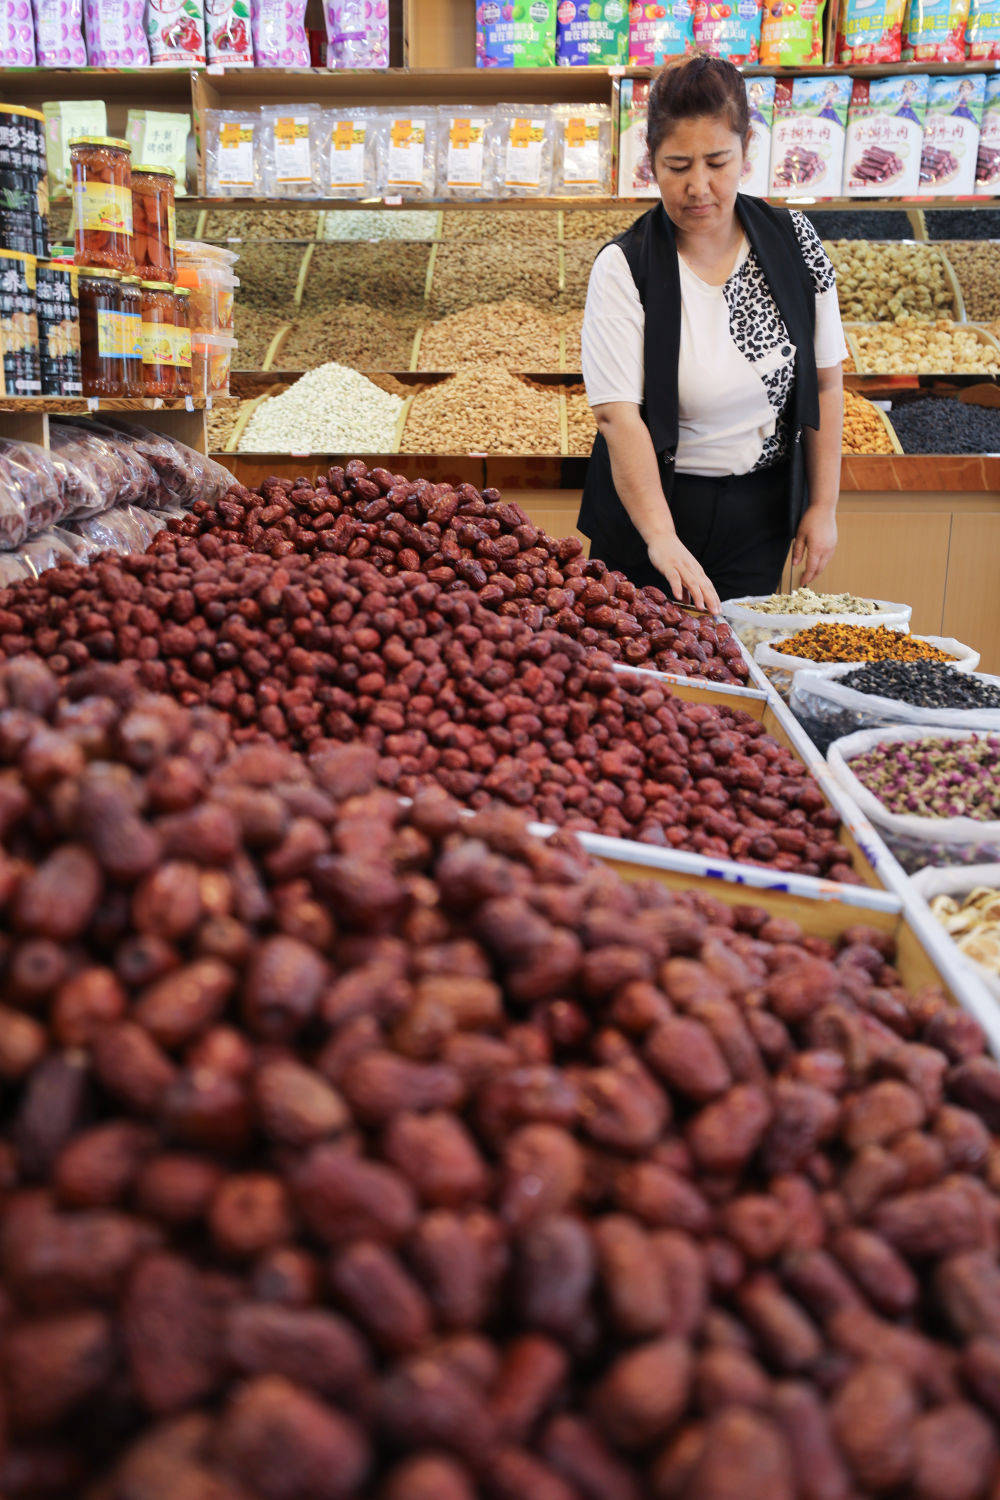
941, 424
925, 684
963, 223
860, 224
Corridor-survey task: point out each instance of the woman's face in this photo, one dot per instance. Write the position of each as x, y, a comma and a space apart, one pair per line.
697, 169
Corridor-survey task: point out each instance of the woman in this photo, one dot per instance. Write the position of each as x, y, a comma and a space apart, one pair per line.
712, 350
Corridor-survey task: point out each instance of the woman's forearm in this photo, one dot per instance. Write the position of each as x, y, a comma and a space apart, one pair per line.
823, 447
634, 469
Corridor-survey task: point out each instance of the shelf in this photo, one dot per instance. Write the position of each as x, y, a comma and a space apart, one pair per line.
71, 406
151, 86
434, 205
403, 85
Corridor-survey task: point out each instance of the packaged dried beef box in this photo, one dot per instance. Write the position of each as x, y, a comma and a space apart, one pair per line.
885, 129
757, 167
635, 175
951, 134
988, 155
807, 137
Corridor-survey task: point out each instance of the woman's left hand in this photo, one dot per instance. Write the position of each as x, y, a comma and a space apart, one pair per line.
816, 540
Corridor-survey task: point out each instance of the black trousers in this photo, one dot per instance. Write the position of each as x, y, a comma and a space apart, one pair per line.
736, 526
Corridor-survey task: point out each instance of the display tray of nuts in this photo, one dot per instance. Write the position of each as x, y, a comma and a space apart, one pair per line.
894, 281
919, 348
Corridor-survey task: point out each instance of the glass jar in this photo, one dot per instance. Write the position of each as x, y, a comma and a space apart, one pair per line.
159, 370
102, 202
182, 336
132, 334
153, 230
102, 364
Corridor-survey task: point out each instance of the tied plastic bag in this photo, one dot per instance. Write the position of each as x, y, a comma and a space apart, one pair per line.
754, 625
234, 156
291, 140
30, 492
980, 950
183, 476
525, 150
828, 709
468, 140
98, 469
13, 569
780, 667
582, 149
357, 33
47, 550
122, 529
353, 152
915, 841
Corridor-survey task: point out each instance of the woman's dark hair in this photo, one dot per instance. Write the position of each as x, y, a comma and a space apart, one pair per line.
694, 88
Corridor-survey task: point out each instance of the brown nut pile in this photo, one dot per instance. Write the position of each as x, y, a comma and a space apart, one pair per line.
523, 227
220, 422
864, 430
387, 275
578, 261
598, 224
351, 333
975, 264
515, 334
572, 334
269, 275
940, 348
352, 1150
492, 272
483, 409
581, 429
466, 536
891, 281
444, 690
255, 331
261, 224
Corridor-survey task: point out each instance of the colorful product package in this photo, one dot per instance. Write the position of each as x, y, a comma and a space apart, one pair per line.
934, 31
807, 137
635, 174
870, 31
982, 36
58, 32
228, 42
115, 34
885, 128
468, 140
518, 35
988, 155
357, 33
951, 134
353, 152
161, 139
592, 32
728, 28
582, 149
791, 33
17, 35
525, 150
291, 140
279, 33
234, 155
69, 120
757, 166
659, 32
410, 155
176, 33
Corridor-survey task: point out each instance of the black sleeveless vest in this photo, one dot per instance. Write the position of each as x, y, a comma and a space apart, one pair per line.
650, 249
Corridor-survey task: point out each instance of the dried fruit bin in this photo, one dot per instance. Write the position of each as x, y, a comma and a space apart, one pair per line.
958, 883
863, 365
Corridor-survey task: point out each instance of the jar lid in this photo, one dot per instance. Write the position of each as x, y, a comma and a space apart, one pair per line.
101, 140
182, 291
156, 286
131, 281
104, 271
156, 171
17, 109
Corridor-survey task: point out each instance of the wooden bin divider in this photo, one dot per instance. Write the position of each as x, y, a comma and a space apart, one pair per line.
300, 284
953, 282
275, 345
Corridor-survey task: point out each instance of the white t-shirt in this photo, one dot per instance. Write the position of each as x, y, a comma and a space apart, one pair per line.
737, 365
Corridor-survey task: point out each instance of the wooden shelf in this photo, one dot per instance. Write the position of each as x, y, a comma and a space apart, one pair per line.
72, 406
403, 85
433, 205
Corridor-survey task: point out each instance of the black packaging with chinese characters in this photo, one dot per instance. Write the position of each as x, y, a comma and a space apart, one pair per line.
19, 365
57, 294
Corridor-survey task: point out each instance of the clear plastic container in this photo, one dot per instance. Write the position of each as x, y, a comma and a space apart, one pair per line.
182, 339
213, 292
153, 220
102, 202
211, 361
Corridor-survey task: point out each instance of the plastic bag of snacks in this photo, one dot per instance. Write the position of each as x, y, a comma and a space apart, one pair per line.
233, 153
582, 149
17, 37
786, 613
279, 33
45, 551
353, 144
525, 150
896, 777
966, 902
781, 666
228, 41
115, 34
59, 38
791, 33
176, 33
828, 708
982, 35
659, 32
729, 31
183, 475
108, 470
934, 31
868, 33
291, 141
13, 569
410, 154
468, 138
30, 492
357, 33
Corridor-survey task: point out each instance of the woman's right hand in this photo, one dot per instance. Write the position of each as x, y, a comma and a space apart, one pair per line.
684, 573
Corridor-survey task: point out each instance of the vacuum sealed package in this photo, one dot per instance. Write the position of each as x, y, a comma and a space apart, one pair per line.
234, 153
292, 150
183, 475
516, 36
934, 31
808, 136
279, 33
30, 497
982, 34
988, 154
411, 155
885, 129
582, 149
467, 152
592, 33
228, 39
791, 33
66, 121
357, 33
949, 156
116, 37
45, 551
525, 150
731, 31
635, 171
17, 36
94, 475
160, 138
755, 179
59, 34
121, 529
870, 31
353, 154
659, 32
176, 32
135, 481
